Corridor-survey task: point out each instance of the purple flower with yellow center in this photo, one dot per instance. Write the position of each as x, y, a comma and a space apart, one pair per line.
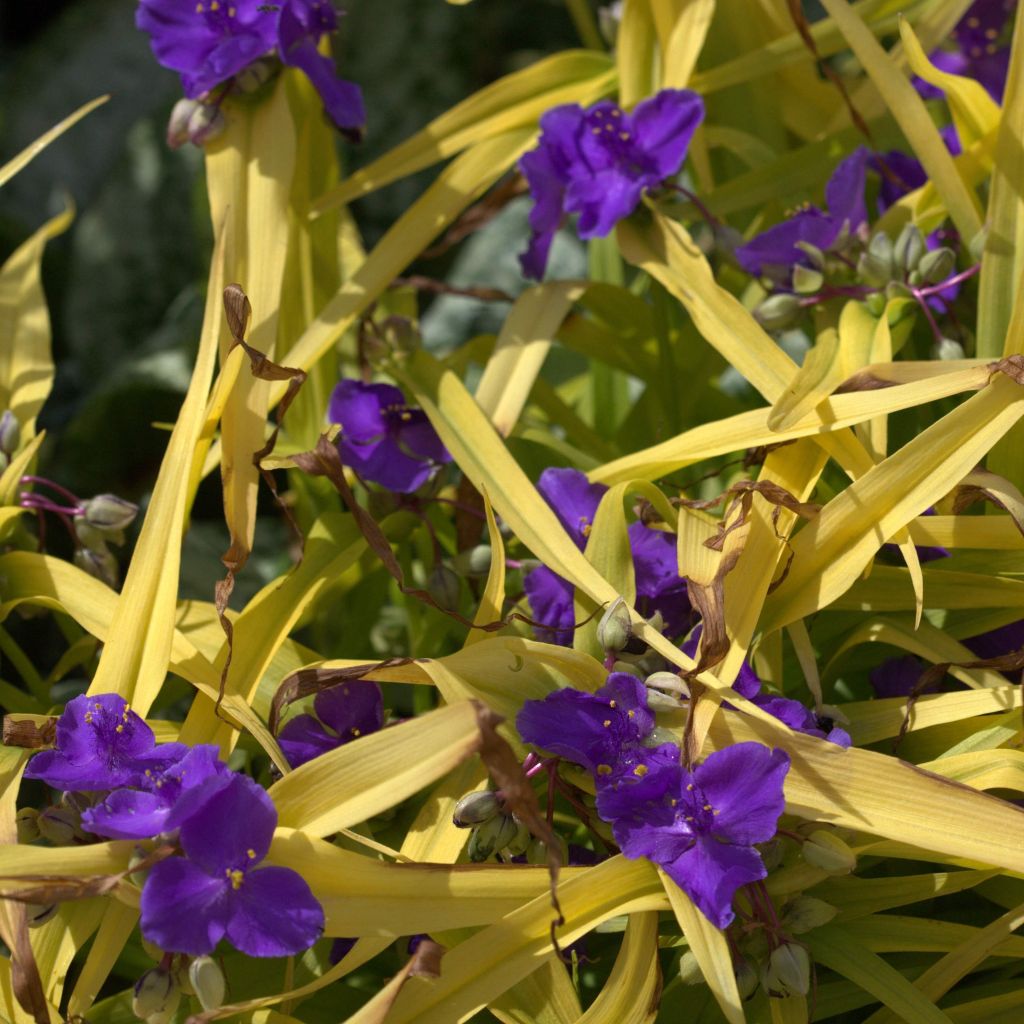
659, 587
101, 744
219, 888
775, 252
149, 810
602, 731
598, 162
343, 713
208, 42
979, 52
382, 438
700, 827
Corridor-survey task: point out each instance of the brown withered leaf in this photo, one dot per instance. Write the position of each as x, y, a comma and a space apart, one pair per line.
32, 735
25, 979
863, 380
426, 961
520, 799
1012, 366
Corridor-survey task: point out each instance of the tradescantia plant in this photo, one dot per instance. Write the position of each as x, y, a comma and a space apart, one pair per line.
655, 657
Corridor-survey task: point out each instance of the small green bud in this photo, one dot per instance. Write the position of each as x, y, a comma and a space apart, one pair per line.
207, 981
746, 979
137, 877
909, 248
788, 971
876, 265
205, 124
875, 303
96, 540
813, 253
937, 265
444, 587
825, 850
99, 563
108, 512
629, 668
492, 836
255, 75
27, 820
155, 992
689, 970
177, 123
476, 808
59, 825
474, 562
947, 348
778, 311
897, 290
667, 681
39, 913
807, 280
615, 630
805, 913
771, 853
10, 433
537, 852
520, 842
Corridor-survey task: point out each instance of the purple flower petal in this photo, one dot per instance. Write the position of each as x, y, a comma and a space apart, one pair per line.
273, 913
232, 829
573, 499
551, 602
747, 684
352, 709
663, 127
127, 814
775, 250
359, 408
184, 909
844, 192
303, 738
710, 873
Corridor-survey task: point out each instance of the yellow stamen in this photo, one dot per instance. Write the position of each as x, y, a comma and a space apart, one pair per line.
607, 722
640, 771
236, 877
355, 732
120, 728
251, 854
604, 769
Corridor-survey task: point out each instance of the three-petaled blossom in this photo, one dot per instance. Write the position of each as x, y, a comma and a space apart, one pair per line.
343, 713
700, 827
659, 587
219, 888
101, 744
776, 251
382, 438
599, 161
210, 41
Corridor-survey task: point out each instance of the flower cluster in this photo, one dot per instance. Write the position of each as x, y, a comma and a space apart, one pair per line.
598, 162
128, 786
383, 439
213, 42
343, 713
659, 589
700, 826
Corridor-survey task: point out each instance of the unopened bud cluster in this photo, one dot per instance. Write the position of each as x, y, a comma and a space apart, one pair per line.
496, 832
10, 438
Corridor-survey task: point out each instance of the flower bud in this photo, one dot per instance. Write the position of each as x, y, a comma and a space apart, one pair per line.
788, 971
937, 265
492, 836
947, 348
627, 667
136, 877
825, 850
667, 681
908, 248
27, 820
813, 253
156, 992
805, 913
99, 563
177, 123
807, 280
93, 539
615, 630
108, 512
207, 981
474, 562
771, 853
520, 842
778, 311
39, 913
746, 979
256, 74
877, 266
476, 808
444, 587
689, 970
205, 124
59, 825
537, 852
10, 433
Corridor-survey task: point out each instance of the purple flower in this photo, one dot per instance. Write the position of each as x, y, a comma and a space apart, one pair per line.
302, 24
701, 826
343, 713
775, 251
210, 42
897, 677
218, 888
602, 731
999, 641
978, 53
659, 587
145, 812
383, 439
598, 162
746, 683
101, 744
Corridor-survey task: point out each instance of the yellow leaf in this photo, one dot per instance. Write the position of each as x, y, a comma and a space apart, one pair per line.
633, 989
684, 43
635, 51
492, 600
115, 929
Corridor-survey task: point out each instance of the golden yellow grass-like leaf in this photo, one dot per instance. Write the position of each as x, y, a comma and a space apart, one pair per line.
547, 996
492, 600
29, 153
684, 42
633, 989
10, 479
115, 929
635, 52
709, 946
138, 649
378, 771
26, 365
